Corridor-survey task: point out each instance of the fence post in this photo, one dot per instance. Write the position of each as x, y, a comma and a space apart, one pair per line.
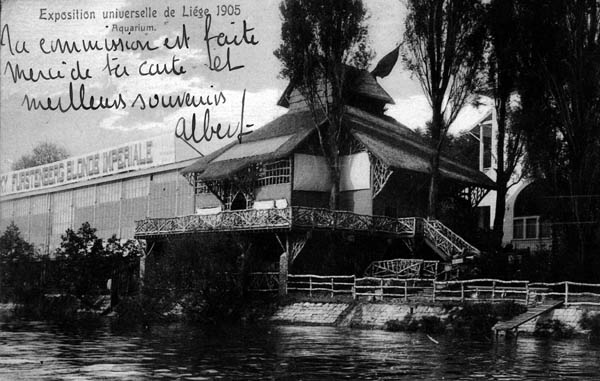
493, 290
405, 290
310, 286
462, 292
566, 292
433, 293
353, 287
381, 287
332, 287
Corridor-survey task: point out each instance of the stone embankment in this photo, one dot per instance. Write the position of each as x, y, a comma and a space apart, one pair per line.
570, 316
375, 315
358, 315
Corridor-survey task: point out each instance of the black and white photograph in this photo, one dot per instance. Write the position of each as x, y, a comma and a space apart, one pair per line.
300, 190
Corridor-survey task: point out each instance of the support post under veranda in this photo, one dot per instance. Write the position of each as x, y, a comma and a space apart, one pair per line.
145, 251
292, 244
245, 246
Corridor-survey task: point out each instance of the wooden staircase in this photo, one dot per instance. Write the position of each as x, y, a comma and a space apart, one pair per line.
511, 326
445, 242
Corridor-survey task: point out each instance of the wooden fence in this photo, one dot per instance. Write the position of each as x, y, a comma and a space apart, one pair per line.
572, 293
474, 290
322, 285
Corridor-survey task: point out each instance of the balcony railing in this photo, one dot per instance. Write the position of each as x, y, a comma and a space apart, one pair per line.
275, 219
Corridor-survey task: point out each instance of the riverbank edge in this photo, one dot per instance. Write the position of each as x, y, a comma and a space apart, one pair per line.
377, 315
370, 314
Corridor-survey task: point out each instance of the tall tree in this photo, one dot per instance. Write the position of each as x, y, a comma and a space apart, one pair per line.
43, 153
560, 92
501, 71
320, 39
443, 46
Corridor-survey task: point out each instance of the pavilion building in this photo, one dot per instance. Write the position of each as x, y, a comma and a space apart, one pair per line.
276, 182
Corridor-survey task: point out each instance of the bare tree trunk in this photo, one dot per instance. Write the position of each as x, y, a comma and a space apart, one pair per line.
502, 176
434, 186
334, 194
437, 122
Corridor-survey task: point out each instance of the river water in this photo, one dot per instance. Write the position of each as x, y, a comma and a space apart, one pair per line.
35, 350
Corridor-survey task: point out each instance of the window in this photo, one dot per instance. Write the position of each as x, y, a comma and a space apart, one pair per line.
483, 217
278, 172
530, 227
518, 228
487, 152
531, 205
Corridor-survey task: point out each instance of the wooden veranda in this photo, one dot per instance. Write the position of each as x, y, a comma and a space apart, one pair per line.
283, 219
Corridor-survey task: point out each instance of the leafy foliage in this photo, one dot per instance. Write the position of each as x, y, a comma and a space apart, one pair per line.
462, 147
443, 46
320, 39
16, 256
591, 322
559, 85
87, 262
427, 324
501, 75
477, 319
13, 247
43, 153
554, 328
199, 276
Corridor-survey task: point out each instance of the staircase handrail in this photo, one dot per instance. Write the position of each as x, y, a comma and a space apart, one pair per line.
456, 240
435, 235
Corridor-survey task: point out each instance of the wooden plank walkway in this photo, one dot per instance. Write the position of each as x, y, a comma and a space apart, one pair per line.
531, 313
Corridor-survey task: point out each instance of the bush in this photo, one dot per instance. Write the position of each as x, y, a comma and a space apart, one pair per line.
406, 325
427, 324
19, 270
49, 307
553, 328
592, 323
137, 310
477, 320
85, 263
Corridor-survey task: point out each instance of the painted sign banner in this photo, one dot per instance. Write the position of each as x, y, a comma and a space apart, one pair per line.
131, 156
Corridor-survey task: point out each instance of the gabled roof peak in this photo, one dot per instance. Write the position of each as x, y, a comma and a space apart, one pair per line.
359, 82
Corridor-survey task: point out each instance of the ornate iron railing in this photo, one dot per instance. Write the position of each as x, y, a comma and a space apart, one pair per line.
235, 220
318, 218
269, 219
402, 268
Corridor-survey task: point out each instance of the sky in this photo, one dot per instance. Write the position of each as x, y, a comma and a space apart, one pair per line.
34, 23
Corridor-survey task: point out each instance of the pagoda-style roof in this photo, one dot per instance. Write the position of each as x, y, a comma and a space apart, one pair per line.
401, 148
359, 82
275, 140
394, 144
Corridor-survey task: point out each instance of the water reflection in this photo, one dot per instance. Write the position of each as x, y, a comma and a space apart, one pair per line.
42, 351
